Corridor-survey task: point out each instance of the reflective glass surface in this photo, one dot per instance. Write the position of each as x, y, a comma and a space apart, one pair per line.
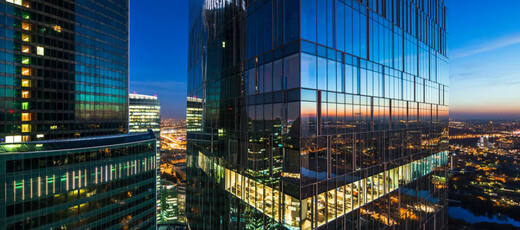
343, 126
69, 71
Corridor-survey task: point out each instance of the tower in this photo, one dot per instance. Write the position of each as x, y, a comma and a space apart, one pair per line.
66, 160
318, 114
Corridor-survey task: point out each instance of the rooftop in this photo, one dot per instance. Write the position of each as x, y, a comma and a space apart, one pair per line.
75, 143
141, 96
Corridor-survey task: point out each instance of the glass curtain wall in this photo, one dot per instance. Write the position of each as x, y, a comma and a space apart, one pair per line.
331, 113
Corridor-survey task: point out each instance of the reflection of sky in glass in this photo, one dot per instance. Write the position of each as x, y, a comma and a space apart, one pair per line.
422, 194
484, 58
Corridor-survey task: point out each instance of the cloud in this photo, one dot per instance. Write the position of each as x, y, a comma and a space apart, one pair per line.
487, 46
463, 75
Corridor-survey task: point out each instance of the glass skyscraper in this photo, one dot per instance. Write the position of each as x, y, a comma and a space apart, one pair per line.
86, 183
144, 113
64, 69
318, 114
66, 160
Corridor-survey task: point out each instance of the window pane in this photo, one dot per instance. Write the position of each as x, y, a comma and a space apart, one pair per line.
322, 21
308, 20
268, 26
277, 75
309, 119
331, 75
291, 67
340, 25
291, 20
308, 71
322, 73
268, 77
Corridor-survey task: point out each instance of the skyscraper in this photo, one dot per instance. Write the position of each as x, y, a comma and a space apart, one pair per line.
88, 183
65, 158
144, 113
64, 70
328, 114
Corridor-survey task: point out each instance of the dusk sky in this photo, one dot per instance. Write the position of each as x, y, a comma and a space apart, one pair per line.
484, 44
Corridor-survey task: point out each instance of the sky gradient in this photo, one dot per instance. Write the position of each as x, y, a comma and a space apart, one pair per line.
484, 52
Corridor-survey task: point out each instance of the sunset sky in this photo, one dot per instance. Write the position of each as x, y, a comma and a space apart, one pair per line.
484, 44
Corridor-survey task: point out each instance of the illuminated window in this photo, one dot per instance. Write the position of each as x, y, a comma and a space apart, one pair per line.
26, 26
26, 83
13, 139
26, 128
26, 94
40, 50
26, 4
26, 49
25, 105
57, 28
39, 136
26, 60
26, 37
17, 2
54, 127
26, 15
26, 116
26, 71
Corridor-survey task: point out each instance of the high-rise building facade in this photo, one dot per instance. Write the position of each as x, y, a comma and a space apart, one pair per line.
144, 114
318, 114
84, 183
65, 158
64, 70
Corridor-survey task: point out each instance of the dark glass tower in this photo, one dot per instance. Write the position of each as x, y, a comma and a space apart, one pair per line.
63, 89
82, 183
64, 70
318, 114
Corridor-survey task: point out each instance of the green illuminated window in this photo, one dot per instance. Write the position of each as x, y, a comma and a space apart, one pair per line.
26, 15
25, 105
26, 60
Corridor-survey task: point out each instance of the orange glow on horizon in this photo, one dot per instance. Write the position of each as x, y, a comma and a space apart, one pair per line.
487, 109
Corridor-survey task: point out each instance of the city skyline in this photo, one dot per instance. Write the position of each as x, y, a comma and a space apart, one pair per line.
259, 114
470, 49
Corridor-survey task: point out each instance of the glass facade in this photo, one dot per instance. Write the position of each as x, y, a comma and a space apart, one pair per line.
318, 114
95, 183
172, 200
63, 89
63, 69
144, 113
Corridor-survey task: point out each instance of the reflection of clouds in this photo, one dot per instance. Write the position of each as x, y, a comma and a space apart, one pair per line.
477, 80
